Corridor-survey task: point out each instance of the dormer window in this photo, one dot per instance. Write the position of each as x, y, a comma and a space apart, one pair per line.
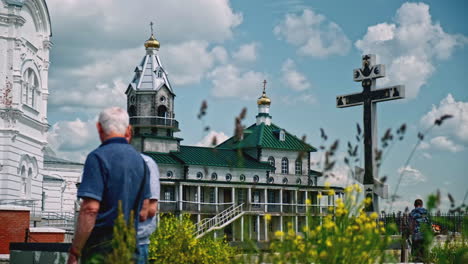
159, 73
282, 135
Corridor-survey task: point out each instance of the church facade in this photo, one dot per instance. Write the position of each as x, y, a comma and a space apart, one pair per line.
30, 174
263, 172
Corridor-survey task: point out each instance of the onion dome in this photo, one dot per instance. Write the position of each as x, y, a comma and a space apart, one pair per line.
264, 100
152, 42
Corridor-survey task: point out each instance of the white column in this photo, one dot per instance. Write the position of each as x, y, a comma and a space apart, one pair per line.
250, 226
297, 223
281, 200
181, 189
233, 195
242, 228
198, 198
306, 208
281, 224
265, 195
295, 199
216, 199
258, 227
266, 228
249, 198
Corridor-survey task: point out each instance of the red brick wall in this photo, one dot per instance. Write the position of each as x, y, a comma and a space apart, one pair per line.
13, 225
44, 237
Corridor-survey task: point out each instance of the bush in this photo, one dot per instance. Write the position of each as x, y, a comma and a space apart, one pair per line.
174, 241
450, 252
348, 236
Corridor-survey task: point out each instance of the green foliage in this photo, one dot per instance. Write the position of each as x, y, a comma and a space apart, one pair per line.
124, 240
174, 242
450, 252
348, 236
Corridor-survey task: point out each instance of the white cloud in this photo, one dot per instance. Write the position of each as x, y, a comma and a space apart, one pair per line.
212, 21
73, 140
443, 143
230, 81
246, 52
305, 98
411, 176
90, 98
313, 34
188, 62
292, 77
424, 145
427, 155
456, 127
410, 46
209, 139
107, 54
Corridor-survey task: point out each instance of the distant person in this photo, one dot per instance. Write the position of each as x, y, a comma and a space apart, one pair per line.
146, 228
113, 172
418, 218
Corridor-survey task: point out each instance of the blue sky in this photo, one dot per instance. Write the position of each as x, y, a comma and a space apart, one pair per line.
221, 51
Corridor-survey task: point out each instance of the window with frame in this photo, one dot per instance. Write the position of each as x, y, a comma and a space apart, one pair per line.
282, 135
298, 166
30, 87
285, 166
212, 195
271, 161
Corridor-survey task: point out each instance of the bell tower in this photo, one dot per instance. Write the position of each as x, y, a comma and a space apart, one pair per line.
150, 104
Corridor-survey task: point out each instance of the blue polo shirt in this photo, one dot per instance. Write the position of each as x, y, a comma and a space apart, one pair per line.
115, 172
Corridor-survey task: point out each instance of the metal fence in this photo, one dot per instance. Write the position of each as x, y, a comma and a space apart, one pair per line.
443, 223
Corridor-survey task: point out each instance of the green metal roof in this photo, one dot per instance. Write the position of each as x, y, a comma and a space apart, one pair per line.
51, 159
218, 158
163, 158
266, 136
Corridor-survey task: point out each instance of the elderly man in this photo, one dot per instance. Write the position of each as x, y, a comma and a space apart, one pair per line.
113, 172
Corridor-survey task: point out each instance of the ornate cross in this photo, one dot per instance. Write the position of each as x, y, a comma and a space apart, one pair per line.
369, 97
151, 25
264, 85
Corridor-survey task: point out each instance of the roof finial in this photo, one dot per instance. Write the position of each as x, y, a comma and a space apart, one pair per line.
264, 86
151, 25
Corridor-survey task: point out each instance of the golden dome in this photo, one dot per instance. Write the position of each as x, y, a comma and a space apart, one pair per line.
264, 100
152, 42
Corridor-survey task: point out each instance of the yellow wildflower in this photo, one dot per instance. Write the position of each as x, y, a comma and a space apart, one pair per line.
374, 215
331, 192
319, 196
268, 217
328, 243
357, 188
323, 254
308, 202
327, 184
279, 233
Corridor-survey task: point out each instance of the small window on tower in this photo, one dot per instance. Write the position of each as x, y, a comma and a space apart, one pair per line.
159, 73
162, 99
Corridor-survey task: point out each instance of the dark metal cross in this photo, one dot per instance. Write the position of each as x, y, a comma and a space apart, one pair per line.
264, 85
368, 75
151, 25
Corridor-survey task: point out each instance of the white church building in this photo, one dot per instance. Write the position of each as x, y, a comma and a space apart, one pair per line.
30, 173
262, 171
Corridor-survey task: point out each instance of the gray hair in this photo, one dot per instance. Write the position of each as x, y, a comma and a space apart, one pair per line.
114, 120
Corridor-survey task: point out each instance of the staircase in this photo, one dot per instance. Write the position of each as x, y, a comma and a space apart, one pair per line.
219, 221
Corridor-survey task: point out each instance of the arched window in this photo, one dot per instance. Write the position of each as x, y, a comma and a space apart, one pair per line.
282, 135
199, 175
169, 174
28, 182
162, 111
24, 184
271, 160
298, 166
214, 176
285, 166
228, 177
30, 87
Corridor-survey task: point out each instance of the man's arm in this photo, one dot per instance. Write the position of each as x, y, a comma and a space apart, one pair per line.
144, 212
153, 207
86, 220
